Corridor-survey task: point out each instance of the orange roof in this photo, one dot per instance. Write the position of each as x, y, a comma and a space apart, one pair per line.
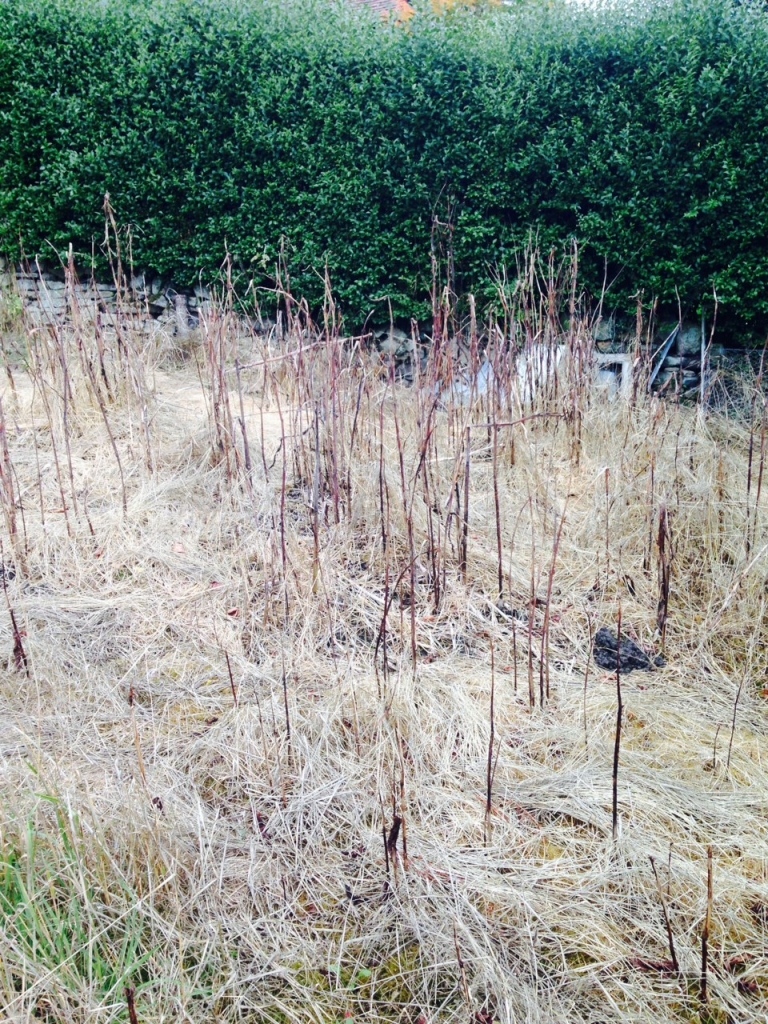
401, 9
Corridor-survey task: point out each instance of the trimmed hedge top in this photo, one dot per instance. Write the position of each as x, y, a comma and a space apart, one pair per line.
252, 127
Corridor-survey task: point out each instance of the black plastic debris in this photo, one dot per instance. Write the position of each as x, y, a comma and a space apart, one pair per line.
609, 654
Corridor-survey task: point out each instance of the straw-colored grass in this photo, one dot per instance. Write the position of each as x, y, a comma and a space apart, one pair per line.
228, 849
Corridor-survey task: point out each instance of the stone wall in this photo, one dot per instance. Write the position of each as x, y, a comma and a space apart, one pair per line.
150, 304
47, 295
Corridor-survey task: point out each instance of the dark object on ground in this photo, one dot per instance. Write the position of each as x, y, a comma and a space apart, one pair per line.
627, 655
506, 612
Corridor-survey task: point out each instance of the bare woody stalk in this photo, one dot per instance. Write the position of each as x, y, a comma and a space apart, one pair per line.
403, 803
666, 556
244, 432
465, 518
733, 720
66, 401
531, 610
667, 925
497, 513
110, 435
316, 507
231, 678
20, 660
385, 545
757, 390
586, 681
705, 932
760, 473
408, 513
617, 740
514, 657
335, 412
7, 493
130, 999
462, 970
38, 374
649, 547
285, 705
544, 666
762, 452
352, 438
491, 742
283, 493
430, 506
136, 737
607, 524
23, 549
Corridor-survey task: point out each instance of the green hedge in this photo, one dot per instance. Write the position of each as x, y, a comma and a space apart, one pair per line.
244, 125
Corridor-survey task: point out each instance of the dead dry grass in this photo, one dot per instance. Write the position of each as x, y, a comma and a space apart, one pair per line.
245, 741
